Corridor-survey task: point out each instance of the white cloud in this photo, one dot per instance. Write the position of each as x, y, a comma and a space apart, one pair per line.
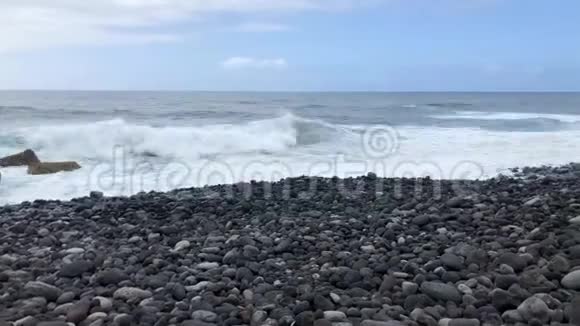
257, 27
493, 69
254, 63
30, 24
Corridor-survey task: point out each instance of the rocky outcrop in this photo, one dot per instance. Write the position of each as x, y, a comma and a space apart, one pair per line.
52, 167
27, 157
35, 166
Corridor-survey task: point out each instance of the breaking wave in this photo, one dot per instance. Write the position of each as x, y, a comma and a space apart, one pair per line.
100, 139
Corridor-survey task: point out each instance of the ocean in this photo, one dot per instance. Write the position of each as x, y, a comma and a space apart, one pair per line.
128, 142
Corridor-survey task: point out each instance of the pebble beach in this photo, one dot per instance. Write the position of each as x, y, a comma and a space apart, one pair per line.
302, 251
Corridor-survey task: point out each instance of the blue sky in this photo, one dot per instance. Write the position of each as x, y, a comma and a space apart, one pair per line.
291, 45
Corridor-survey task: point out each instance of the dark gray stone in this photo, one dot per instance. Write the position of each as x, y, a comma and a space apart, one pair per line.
517, 262
78, 312
441, 291
76, 268
40, 289
452, 261
112, 276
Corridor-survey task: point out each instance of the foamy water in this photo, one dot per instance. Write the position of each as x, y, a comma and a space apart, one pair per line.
511, 116
141, 142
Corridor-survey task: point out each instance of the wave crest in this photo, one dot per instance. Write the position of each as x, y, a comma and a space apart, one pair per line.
99, 140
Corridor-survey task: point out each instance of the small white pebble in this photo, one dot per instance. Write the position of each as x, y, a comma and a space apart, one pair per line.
335, 297
464, 289
43, 232
439, 270
181, 245
74, 251
368, 249
135, 239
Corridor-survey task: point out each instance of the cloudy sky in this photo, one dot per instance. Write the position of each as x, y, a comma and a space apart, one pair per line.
374, 45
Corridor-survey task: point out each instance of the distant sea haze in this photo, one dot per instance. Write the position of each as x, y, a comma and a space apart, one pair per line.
129, 142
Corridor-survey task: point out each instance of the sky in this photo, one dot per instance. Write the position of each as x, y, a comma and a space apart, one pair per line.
290, 45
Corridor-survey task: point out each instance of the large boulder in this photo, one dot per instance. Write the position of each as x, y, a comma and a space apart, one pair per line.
27, 157
52, 167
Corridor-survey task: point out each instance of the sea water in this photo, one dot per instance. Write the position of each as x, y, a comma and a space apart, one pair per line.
128, 142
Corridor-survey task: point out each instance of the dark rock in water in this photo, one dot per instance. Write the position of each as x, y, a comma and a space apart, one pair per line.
149, 154
52, 167
96, 194
441, 291
20, 159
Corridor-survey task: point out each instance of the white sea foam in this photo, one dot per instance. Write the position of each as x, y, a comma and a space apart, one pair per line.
121, 158
98, 140
569, 118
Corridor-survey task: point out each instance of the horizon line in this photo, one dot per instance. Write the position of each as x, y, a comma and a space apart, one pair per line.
283, 91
